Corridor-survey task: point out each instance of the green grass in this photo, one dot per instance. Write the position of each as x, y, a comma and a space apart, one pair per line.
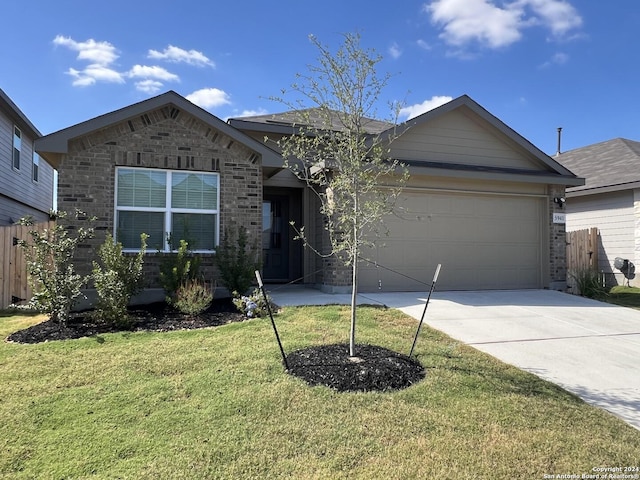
625, 296
217, 404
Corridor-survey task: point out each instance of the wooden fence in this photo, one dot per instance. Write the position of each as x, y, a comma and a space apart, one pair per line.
582, 253
14, 287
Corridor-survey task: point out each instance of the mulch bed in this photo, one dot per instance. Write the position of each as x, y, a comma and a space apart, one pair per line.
374, 369
155, 317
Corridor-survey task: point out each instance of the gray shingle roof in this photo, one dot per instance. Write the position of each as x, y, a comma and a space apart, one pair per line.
610, 165
17, 116
312, 116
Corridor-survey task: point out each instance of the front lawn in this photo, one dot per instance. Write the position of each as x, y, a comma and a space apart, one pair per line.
625, 296
216, 403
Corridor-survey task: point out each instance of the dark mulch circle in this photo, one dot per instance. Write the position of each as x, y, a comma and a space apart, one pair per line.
374, 369
155, 317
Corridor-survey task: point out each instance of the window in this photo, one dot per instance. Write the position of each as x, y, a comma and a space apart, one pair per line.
17, 147
169, 206
36, 166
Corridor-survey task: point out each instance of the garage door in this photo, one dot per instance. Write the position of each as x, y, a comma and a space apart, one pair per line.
482, 241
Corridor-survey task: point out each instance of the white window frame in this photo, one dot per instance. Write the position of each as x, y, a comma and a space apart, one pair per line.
16, 133
167, 209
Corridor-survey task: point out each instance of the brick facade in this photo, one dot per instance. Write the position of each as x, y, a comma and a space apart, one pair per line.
166, 138
557, 242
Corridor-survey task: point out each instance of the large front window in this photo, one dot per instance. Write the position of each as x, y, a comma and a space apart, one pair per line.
169, 206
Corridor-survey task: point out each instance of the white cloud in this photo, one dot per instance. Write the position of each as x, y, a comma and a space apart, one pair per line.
253, 113
209, 98
395, 51
149, 86
423, 45
559, 58
178, 55
484, 22
418, 109
100, 53
558, 15
93, 74
155, 72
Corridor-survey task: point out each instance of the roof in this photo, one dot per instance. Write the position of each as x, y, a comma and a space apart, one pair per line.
56, 144
607, 166
286, 122
554, 172
17, 116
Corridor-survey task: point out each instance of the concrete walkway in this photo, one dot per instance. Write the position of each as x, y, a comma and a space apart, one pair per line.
590, 348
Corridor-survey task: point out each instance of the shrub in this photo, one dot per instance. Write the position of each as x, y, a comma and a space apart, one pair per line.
117, 280
178, 269
193, 297
52, 275
253, 305
589, 283
237, 260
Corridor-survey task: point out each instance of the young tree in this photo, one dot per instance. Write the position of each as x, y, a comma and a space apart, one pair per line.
343, 153
56, 284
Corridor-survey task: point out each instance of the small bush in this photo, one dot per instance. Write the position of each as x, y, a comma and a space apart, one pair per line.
253, 305
237, 260
589, 283
193, 298
52, 275
177, 270
116, 280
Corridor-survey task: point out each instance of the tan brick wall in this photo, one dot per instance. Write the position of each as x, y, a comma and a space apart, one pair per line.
166, 138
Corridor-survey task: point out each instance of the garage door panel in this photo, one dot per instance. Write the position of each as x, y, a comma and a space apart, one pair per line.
482, 241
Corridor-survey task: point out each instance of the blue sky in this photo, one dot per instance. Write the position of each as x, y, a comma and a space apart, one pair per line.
535, 64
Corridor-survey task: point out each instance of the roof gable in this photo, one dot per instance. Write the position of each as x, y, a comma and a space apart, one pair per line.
610, 165
463, 137
56, 144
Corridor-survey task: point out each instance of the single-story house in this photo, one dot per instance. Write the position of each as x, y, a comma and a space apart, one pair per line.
26, 183
480, 199
609, 200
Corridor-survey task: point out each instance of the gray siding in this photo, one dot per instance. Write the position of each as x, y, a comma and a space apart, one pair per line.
613, 215
21, 195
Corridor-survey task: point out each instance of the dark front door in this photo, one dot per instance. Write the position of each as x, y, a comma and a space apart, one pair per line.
275, 237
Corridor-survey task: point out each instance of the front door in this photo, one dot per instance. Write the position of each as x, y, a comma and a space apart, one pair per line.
275, 237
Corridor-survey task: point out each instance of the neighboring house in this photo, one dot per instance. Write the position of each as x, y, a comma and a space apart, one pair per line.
609, 200
26, 182
480, 199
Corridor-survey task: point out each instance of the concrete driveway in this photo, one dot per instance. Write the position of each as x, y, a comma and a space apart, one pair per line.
589, 348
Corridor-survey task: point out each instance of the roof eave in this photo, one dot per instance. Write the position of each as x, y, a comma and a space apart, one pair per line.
581, 192
524, 177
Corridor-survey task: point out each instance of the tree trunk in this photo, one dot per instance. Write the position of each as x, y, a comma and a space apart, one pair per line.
354, 301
